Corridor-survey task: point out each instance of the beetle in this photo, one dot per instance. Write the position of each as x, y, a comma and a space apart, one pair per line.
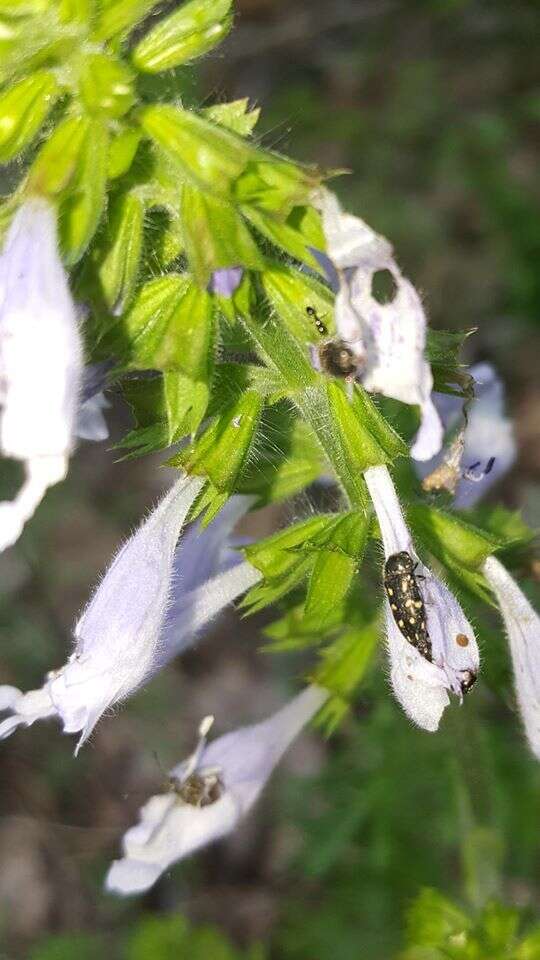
406, 603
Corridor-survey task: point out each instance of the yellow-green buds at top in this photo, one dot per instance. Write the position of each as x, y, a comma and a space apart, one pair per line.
207, 155
56, 163
118, 17
105, 86
23, 108
189, 32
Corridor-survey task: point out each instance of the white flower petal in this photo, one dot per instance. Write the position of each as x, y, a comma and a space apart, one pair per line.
26, 707
40, 474
523, 628
170, 829
194, 610
40, 360
388, 339
419, 686
130, 628
454, 646
394, 531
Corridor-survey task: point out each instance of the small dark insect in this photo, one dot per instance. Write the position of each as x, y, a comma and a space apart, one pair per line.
335, 356
321, 327
469, 680
337, 359
197, 790
406, 603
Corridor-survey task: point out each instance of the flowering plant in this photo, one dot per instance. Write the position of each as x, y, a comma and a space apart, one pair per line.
227, 295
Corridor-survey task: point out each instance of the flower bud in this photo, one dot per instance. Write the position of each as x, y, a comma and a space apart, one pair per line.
193, 29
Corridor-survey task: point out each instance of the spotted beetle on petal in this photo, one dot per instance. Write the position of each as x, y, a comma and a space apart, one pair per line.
406, 603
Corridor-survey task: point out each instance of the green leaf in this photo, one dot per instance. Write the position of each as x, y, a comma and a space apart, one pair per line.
329, 584
345, 534
275, 186
269, 592
457, 544
236, 116
443, 350
186, 400
169, 326
222, 451
278, 554
295, 235
278, 348
119, 256
208, 156
288, 457
23, 109
122, 150
192, 30
33, 39
433, 920
59, 157
344, 664
367, 439
291, 292
453, 540
120, 16
82, 206
106, 86
76, 11
215, 235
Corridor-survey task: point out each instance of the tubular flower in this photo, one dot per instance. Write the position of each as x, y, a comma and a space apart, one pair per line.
483, 451
431, 644
137, 620
40, 361
210, 793
387, 339
523, 628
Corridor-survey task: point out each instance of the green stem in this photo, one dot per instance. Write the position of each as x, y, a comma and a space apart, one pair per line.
307, 390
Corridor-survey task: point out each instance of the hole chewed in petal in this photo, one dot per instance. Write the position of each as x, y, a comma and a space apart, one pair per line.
383, 286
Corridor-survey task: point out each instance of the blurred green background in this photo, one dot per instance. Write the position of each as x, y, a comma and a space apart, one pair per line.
434, 106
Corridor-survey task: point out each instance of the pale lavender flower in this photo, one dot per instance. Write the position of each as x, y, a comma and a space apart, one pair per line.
226, 281
487, 437
210, 793
387, 339
420, 685
137, 620
523, 628
40, 361
91, 423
